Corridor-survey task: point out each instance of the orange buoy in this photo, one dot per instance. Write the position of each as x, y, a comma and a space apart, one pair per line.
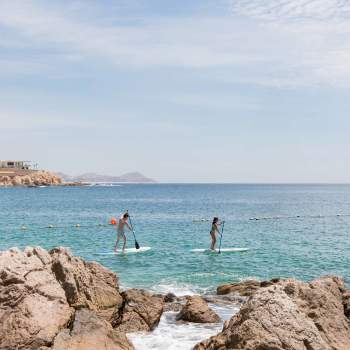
113, 221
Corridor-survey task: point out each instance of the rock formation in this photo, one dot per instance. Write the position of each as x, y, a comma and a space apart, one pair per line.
89, 332
197, 310
289, 315
54, 300
140, 311
41, 293
30, 178
245, 288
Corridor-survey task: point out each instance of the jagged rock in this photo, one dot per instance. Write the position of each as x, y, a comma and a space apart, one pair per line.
290, 315
169, 298
86, 284
197, 310
245, 288
33, 306
39, 293
140, 312
89, 332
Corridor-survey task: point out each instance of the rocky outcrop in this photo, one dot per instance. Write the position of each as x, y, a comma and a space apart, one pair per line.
86, 284
42, 292
289, 315
30, 178
197, 310
89, 332
140, 312
245, 288
33, 306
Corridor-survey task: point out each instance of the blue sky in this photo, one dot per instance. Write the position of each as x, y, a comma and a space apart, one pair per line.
183, 91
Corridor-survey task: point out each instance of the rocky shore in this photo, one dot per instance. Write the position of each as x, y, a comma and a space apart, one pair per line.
30, 178
34, 179
54, 300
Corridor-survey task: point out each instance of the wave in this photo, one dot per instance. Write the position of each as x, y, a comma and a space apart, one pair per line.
173, 335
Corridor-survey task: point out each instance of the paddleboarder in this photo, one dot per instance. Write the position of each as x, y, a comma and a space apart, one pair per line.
214, 229
123, 221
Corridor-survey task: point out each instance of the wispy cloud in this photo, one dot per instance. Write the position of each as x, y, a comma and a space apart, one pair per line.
260, 43
293, 9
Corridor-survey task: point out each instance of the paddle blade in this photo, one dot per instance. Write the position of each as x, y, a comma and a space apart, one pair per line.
137, 246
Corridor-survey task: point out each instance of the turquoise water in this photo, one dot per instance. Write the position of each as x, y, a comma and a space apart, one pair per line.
302, 231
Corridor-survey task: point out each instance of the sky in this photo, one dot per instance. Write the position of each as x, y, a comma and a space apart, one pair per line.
182, 91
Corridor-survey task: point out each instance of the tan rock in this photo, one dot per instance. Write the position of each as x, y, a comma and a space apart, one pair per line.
140, 312
197, 310
290, 315
33, 307
17, 181
91, 333
86, 284
245, 288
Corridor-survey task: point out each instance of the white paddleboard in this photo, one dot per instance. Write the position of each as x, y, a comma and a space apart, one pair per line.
223, 250
127, 251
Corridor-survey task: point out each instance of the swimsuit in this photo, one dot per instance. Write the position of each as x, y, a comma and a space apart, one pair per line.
121, 233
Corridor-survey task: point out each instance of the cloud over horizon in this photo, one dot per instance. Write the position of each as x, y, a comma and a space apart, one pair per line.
174, 69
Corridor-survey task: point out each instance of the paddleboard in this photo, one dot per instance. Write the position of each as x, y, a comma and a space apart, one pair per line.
127, 251
223, 250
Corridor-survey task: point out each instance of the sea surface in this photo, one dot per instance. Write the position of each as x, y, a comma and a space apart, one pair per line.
300, 231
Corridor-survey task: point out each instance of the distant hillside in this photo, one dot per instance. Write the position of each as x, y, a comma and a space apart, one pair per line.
134, 177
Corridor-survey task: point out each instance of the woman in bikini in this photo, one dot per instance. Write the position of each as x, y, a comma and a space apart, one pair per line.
214, 229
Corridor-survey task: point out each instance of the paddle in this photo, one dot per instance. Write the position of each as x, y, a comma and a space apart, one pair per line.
222, 232
137, 246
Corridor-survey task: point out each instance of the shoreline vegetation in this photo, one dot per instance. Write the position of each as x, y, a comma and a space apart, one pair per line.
54, 300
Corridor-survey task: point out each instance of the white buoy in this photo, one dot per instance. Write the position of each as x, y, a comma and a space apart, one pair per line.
77, 225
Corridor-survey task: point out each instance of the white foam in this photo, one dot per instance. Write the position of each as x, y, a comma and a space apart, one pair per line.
172, 335
175, 288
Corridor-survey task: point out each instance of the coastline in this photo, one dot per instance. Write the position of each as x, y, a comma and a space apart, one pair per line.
86, 293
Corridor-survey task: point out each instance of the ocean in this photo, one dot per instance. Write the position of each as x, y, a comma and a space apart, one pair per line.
299, 231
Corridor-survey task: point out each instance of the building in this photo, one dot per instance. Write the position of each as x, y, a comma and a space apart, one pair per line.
15, 164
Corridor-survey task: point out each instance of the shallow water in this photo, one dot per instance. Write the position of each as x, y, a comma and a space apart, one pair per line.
297, 231
173, 335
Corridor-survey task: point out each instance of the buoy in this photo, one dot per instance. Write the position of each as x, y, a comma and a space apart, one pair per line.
50, 226
113, 221
77, 225
23, 227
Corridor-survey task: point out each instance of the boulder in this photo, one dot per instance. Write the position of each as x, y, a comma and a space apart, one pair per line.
140, 311
86, 284
41, 291
169, 298
33, 306
16, 181
197, 310
289, 315
245, 288
89, 332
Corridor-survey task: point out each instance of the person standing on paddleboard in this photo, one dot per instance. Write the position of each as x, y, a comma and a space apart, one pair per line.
123, 221
214, 229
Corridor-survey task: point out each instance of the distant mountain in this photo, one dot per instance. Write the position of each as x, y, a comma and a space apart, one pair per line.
133, 177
